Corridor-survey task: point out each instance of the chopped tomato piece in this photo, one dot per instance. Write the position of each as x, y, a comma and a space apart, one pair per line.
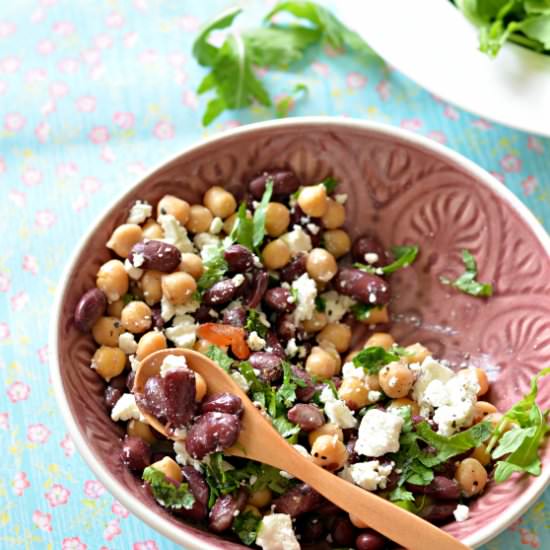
225, 335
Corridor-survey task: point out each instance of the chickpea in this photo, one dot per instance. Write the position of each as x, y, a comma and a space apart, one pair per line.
220, 202
108, 362
201, 345
135, 428
338, 334
152, 230
178, 287
169, 467
277, 219
373, 383
321, 363
405, 402
333, 352
335, 216
192, 264
416, 353
482, 409
313, 200
151, 287
175, 207
380, 339
276, 254
321, 265
481, 455
114, 309
200, 219
329, 452
396, 379
471, 476
317, 322
113, 280
200, 387
229, 223
123, 238
260, 498
149, 343
136, 317
376, 315
354, 392
326, 429
107, 330
359, 523
337, 242
483, 382
349, 357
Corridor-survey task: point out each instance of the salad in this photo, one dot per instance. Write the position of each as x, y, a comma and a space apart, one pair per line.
271, 289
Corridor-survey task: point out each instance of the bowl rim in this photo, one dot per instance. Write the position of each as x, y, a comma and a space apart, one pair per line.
162, 525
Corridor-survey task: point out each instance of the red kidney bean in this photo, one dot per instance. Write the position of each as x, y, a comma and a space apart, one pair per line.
238, 258
392, 480
170, 399
212, 431
369, 244
119, 382
311, 528
370, 540
90, 308
156, 317
342, 531
308, 417
268, 364
111, 396
220, 293
438, 512
225, 510
257, 289
286, 328
136, 453
294, 269
298, 216
364, 287
199, 488
205, 315
235, 316
353, 457
306, 392
285, 182
298, 500
279, 299
223, 402
272, 345
441, 487
157, 255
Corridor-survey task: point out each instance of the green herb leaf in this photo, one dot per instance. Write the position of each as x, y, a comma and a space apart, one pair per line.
214, 269
402, 494
372, 359
243, 230
167, 493
258, 220
220, 357
330, 184
466, 282
283, 106
127, 298
286, 428
245, 526
362, 311
320, 303
253, 323
404, 257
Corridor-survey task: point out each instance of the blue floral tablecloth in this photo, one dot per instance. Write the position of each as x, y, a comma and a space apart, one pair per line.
92, 94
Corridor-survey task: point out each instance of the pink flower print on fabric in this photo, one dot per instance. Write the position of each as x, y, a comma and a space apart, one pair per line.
107, 154
119, 510
356, 80
30, 264
451, 113
437, 136
66, 169
2, 165
93, 488
529, 185
19, 300
31, 177
5, 282
124, 120
43, 354
91, 56
20, 483
14, 122
112, 530
4, 421
68, 65
80, 203
38, 433
9, 64
7, 28
189, 23
3, 87
103, 41
57, 495
90, 185
145, 545
321, 69
67, 445
63, 28
86, 104
383, 89
411, 124
42, 520
99, 135
114, 20
482, 124
48, 108
529, 538
164, 130
4, 334
73, 543
511, 163
189, 99
45, 218
42, 132
497, 175
535, 144
36, 75
59, 89
45, 47
18, 391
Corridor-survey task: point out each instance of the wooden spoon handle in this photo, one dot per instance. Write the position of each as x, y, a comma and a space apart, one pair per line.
397, 524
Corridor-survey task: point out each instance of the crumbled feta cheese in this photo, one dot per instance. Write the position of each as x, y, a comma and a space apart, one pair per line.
461, 512
378, 433
349, 370
313, 228
240, 380
207, 244
336, 305
183, 331
171, 363
255, 343
183, 457
179, 433
341, 198
285, 474
339, 413
138, 259
127, 343
373, 396
216, 225
133, 272
306, 292
168, 309
370, 475
125, 408
327, 395
275, 532
238, 279
175, 233
291, 348
371, 257
139, 212
263, 319
134, 363
429, 370
297, 240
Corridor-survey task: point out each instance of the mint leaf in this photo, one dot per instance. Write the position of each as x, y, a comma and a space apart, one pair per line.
372, 359
167, 493
245, 526
220, 357
404, 257
466, 282
258, 220
214, 269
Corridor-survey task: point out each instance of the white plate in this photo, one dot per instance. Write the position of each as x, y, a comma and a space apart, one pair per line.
432, 43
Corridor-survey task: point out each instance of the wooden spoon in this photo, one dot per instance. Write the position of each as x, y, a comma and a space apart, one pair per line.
259, 441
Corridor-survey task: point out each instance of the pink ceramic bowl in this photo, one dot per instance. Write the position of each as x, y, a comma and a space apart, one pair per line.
403, 187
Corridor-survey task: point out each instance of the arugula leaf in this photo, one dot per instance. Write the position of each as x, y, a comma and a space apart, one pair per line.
245, 526
243, 229
220, 357
404, 257
283, 106
214, 269
258, 220
253, 323
167, 493
466, 282
330, 184
373, 358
